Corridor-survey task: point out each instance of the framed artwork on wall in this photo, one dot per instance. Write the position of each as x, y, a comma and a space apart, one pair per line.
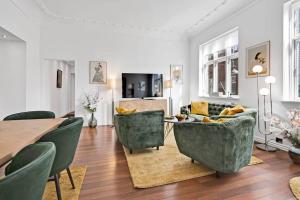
258, 55
98, 72
176, 73
59, 78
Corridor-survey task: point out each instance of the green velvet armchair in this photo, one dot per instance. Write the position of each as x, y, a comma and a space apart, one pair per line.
224, 147
30, 115
27, 174
65, 138
140, 130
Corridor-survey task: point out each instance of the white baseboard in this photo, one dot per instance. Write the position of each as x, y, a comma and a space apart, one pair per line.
272, 143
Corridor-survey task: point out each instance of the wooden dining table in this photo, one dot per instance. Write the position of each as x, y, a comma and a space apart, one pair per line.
16, 134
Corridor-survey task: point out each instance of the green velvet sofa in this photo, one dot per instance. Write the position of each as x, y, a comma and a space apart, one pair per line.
224, 147
140, 130
214, 109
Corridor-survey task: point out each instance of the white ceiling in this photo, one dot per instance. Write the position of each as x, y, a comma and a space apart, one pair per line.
178, 16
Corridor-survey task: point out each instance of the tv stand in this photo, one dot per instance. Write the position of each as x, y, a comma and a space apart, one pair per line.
145, 104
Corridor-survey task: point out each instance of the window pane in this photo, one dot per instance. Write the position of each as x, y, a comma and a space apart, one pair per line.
222, 53
222, 77
234, 76
210, 79
297, 22
297, 56
210, 57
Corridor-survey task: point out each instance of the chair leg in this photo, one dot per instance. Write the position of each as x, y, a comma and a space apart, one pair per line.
192, 161
130, 151
157, 148
57, 186
71, 178
218, 175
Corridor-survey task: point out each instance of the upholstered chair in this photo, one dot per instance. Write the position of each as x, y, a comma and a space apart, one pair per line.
224, 147
65, 138
30, 115
27, 174
140, 130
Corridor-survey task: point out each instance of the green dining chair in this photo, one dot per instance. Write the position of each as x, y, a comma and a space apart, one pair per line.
27, 174
65, 138
31, 115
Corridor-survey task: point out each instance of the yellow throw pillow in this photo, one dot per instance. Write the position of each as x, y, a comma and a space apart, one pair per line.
235, 110
124, 111
224, 112
219, 121
199, 108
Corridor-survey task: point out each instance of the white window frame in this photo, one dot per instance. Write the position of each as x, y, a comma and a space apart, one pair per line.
215, 62
290, 65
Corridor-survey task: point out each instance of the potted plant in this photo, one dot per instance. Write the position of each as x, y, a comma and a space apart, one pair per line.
290, 130
90, 103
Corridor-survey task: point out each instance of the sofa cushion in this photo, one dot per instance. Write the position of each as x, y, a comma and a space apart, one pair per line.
200, 108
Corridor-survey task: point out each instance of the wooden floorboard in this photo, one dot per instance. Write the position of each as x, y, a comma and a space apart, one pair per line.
108, 176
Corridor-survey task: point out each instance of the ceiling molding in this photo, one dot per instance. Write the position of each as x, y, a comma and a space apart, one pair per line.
205, 17
182, 34
50, 13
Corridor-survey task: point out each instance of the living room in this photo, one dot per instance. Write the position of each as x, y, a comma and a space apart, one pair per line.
163, 100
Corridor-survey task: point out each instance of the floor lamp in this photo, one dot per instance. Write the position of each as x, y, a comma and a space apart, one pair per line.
112, 86
257, 69
169, 85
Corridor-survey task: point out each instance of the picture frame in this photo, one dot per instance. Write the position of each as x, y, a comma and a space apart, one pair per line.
98, 72
176, 73
59, 78
258, 55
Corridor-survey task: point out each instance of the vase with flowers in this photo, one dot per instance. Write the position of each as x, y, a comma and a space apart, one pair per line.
90, 103
290, 130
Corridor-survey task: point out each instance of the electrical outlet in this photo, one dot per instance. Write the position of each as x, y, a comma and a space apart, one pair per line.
279, 140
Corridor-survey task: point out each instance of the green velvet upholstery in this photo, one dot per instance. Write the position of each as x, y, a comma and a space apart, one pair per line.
140, 130
214, 110
224, 147
27, 174
30, 115
65, 138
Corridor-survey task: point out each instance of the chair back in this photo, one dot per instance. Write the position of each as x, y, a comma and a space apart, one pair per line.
30, 115
27, 174
65, 138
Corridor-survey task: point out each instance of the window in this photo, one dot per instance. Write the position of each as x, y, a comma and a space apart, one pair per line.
218, 66
291, 51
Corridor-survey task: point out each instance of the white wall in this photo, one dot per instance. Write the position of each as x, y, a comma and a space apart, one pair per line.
56, 99
25, 25
123, 52
12, 77
260, 22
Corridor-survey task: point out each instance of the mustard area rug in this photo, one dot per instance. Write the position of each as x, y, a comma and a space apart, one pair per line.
150, 168
67, 192
295, 186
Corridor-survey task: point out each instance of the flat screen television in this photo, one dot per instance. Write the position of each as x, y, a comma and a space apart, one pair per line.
142, 85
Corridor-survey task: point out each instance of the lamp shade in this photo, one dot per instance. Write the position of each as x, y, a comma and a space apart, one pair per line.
270, 80
264, 91
169, 84
257, 69
112, 83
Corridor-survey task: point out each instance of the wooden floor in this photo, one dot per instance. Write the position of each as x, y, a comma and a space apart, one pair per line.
108, 176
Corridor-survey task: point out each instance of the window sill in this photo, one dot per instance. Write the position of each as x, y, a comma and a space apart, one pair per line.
290, 101
228, 98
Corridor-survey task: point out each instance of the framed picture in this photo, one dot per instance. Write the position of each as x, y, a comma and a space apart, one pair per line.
176, 72
59, 79
98, 72
258, 55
